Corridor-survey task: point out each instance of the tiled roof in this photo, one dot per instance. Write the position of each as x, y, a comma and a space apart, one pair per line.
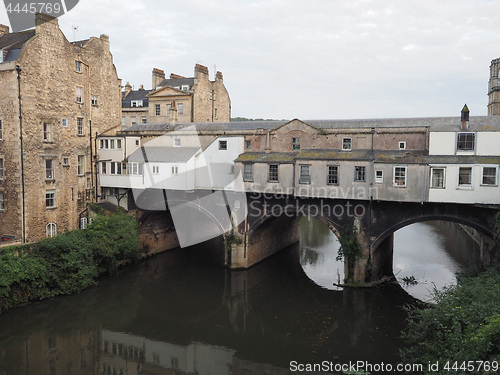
163, 154
136, 95
13, 41
177, 82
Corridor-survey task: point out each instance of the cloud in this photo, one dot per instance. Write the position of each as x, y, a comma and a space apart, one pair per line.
309, 59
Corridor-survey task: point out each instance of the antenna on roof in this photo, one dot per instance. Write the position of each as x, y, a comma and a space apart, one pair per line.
75, 29
215, 70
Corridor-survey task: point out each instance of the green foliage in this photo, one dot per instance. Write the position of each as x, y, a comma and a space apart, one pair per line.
349, 245
67, 263
463, 324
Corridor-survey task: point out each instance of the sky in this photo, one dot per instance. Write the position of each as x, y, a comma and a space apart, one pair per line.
315, 59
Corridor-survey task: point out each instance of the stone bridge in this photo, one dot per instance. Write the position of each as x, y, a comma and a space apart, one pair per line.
265, 224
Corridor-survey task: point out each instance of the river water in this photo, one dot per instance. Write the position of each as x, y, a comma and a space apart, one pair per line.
179, 313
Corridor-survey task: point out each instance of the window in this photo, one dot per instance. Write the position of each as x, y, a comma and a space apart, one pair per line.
137, 142
79, 125
157, 110
347, 144
50, 198
49, 169
305, 174
437, 178
124, 121
65, 161
175, 170
79, 94
465, 141
64, 123
295, 143
180, 108
215, 112
116, 167
78, 66
248, 172
273, 173
359, 173
94, 100
185, 87
465, 176
400, 176
248, 145
135, 169
177, 142
81, 164
379, 177
1, 169
51, 229
83, 223
169, 106
489, 176
103, 167
156, 169
402, 145
222, 145
134, 120
47, 132
144, 119
333, 175
118, 143
136, 103
2, 201
1, 133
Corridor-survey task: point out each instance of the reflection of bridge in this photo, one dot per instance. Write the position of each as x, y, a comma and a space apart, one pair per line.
269, 223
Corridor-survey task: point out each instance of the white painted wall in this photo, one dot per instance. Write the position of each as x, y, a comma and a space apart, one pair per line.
477, 193
488, 143
442, 143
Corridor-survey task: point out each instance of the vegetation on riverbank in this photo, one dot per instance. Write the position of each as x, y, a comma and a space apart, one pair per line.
463, 325
69, 262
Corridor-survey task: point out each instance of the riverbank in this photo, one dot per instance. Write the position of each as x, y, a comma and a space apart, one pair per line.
67, 263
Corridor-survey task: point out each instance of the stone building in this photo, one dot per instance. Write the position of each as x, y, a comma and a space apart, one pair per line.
494, 88
177, 99
70, 93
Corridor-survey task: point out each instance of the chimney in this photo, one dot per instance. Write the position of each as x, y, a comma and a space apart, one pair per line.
174, 76
173, 113
465, 117
105, 40
127, 90
158, 77
4, 29
141, 88
218, 76
42, 19
200, 70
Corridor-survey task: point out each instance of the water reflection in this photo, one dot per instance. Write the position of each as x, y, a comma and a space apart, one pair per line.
178, 313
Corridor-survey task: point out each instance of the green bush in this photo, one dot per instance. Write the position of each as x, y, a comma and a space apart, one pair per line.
463, 324
69, 262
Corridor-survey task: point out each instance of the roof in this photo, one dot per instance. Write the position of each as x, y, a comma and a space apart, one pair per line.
136, 95
80, 43
13, 42
163, 154
177, 82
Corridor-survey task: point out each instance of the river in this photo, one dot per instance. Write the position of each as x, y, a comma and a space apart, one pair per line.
179, 313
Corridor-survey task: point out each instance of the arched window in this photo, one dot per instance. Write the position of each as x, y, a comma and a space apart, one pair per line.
51, 229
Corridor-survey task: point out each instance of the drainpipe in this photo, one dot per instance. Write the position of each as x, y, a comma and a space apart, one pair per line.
18, 69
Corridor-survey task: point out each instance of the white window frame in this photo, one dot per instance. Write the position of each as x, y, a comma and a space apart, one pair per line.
49, 169
155, 169
124, 121
136, 103
157, 110
296, 143
133, 120
273, 173
79, 94
83, 223
305, 174
50, 195
144, 120
431, 185
357, 169
330, 175
402, 145
496, 175
379, 179
47, 132
80, 126
180, 108
81, 165
465, 186
51, 230
349, 139
177, 142
64, 122
78, 66
248, 172
2, 201
395, 176
466, 149
175, 170
94, 100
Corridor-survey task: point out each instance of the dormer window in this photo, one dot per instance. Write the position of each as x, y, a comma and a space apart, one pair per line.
466, 141
1, 56
402, 145
185, 88
346, 144
136, 103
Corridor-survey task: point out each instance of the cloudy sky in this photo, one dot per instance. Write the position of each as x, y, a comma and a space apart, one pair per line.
315, 59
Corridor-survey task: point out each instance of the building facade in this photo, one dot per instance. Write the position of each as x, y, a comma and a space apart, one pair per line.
70, 93
177, 99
